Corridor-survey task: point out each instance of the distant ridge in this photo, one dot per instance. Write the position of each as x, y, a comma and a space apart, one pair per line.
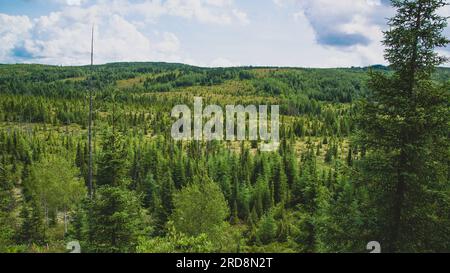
168, 65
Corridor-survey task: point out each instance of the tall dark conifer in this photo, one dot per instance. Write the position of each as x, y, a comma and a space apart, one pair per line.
403, 121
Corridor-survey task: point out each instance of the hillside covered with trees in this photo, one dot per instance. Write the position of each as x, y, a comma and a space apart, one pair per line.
364, 156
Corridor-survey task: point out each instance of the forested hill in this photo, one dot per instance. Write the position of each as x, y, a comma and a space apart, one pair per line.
153, 194
338, 85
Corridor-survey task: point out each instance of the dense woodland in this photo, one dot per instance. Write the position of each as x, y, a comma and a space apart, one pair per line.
364, 156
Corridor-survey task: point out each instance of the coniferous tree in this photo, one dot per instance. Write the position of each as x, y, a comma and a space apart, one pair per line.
32, 230
78, 230
350, 157
112, 162
116, 220
280, 183
167, 191
404, 122
7, 207
267, 229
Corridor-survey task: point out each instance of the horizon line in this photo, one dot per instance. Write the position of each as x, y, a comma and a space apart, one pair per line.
209, 67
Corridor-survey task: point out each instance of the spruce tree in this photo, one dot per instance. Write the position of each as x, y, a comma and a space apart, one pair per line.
7, 207
112, 162
404, 123
32, 230
116, 220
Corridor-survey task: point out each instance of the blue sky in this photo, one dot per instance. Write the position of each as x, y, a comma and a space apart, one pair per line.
302, 33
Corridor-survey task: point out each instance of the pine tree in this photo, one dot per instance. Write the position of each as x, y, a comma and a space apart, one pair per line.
280, 183
116, 221
81, 163
32, 230
136, 170
403, 123
340, 220
267, 229
179, 177
166, 193
234, 216
7, 202
291, 166
25, 181
7, 207
350, 157
112, 162
78, 229
150, 191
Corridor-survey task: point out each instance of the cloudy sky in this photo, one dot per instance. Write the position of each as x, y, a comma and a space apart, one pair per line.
305, 33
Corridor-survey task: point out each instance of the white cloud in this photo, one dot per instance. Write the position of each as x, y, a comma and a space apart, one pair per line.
350, 30
241, 16
221, 12
74, 2
219, 3
12, 30
206, 11
68, 2
283, 3
345, 22
318, 55
169, 43
63, 37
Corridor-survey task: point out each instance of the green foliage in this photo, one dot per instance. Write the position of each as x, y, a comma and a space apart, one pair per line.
116, 220
175, 242
341, 220
111, 165
267, 229
55, 184
7, 208
33, 229
403, 123
199, 208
